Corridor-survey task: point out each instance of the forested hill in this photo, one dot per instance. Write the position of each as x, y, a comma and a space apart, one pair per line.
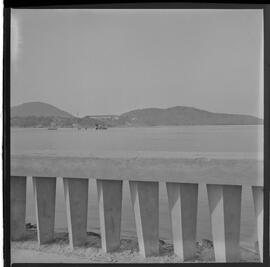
185, 116
38, 109
38, 114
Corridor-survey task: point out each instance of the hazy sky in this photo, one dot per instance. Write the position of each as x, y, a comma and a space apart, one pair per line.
111, 61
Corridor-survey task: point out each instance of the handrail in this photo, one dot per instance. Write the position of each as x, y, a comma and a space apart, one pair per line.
231, 169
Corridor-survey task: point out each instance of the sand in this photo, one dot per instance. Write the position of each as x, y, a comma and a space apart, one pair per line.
28, 251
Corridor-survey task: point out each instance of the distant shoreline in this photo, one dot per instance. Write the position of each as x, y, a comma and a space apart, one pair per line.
38, 114
145, 126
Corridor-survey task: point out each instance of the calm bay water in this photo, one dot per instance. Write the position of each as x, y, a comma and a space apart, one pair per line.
216, 139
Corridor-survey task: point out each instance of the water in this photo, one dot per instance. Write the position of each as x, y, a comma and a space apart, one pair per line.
216, 139
221, 139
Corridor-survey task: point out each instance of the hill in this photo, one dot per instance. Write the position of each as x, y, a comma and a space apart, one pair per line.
181, 115
38, 114
38, 109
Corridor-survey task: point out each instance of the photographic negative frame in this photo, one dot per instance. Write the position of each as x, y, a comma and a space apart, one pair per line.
135, 188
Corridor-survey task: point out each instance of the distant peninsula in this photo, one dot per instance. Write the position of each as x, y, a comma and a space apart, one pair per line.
42, 115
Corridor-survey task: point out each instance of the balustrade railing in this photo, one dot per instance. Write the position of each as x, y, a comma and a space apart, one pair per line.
183, 175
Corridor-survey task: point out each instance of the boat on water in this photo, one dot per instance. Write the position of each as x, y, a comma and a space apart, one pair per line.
101, 127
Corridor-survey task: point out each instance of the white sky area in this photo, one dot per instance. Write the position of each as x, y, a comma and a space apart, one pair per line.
90, 62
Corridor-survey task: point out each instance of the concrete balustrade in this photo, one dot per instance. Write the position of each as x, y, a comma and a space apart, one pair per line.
144, 196
257, 192
182, 181
76, 196
183, 203
17, 206
44, 194
225, 213
110, 208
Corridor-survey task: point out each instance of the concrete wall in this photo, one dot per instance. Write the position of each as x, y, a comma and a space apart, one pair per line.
153, 167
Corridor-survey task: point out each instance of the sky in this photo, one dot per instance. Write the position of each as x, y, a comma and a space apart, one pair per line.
90, 62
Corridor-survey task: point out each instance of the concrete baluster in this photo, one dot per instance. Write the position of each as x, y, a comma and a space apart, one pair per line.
183, 203
110, 207
76, 196
225, 212
44, 194
17, 207
144, 196
257, 192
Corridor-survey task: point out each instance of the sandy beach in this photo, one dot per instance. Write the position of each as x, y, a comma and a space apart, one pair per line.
28, 251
